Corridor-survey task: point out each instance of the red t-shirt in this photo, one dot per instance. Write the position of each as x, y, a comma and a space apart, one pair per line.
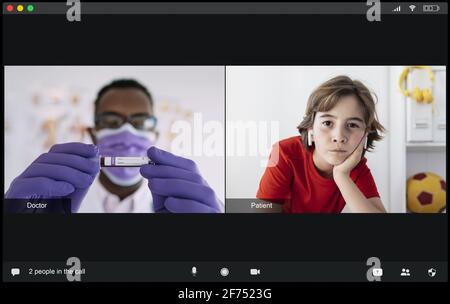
294, 181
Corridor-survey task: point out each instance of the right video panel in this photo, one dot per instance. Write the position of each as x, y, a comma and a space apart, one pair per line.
335, 139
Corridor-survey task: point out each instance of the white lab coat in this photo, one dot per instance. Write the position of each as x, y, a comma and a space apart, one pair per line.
100, 200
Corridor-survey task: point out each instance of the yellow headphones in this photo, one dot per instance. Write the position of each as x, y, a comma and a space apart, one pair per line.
419, 95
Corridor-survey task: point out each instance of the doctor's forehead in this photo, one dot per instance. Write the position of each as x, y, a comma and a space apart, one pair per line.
126, 101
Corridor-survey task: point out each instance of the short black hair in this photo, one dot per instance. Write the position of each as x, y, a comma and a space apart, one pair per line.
122, 84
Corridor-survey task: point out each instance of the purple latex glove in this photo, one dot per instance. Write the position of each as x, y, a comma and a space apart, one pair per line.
66, 171
177, 186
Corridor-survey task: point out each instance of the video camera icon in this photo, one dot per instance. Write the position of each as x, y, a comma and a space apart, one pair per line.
254, 271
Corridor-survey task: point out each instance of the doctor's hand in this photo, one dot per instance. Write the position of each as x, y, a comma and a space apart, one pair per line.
66, 171
177, 186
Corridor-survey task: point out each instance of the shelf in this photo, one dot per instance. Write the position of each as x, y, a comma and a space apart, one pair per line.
426, 147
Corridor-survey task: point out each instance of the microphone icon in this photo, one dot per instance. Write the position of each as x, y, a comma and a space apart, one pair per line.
194, 271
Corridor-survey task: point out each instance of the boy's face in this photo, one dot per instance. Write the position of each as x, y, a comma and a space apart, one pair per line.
337, 133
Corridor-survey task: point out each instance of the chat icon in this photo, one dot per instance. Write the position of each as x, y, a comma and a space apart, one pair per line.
15, 271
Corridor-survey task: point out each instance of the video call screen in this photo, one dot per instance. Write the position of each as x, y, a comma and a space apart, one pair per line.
225, 144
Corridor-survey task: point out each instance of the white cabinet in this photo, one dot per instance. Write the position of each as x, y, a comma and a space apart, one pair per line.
439, 119
417, 133
419, 122
426, 122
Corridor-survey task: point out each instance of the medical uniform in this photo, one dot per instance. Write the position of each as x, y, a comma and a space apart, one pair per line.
100, 200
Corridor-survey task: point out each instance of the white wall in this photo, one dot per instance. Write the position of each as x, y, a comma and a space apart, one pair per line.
280, 93
35, 95
397, 144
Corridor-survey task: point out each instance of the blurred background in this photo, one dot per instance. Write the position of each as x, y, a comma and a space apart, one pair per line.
45, 105
414, 142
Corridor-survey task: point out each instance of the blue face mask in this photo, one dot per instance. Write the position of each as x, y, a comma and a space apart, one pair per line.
125, 141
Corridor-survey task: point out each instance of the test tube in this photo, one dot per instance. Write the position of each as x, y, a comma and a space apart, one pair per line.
125, 161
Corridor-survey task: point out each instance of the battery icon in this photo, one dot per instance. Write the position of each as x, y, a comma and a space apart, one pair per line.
431, 8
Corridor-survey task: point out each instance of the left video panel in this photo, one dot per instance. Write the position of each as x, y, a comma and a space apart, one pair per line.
114, 139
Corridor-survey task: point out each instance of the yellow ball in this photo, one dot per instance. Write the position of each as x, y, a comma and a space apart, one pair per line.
426, 193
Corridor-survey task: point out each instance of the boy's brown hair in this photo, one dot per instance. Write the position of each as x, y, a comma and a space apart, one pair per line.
327, 95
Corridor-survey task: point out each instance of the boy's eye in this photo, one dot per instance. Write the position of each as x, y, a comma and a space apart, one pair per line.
353, 125
326, 123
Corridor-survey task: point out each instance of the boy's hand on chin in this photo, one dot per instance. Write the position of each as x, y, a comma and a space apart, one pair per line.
349, 163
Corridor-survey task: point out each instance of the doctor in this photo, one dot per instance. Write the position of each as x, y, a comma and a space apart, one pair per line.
124, 126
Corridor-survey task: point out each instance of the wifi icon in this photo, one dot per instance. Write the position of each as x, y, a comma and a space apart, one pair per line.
412, 7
